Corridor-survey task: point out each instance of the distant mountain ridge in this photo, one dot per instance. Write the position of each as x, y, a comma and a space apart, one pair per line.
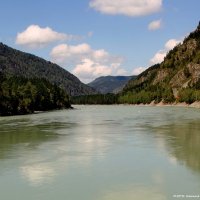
177, 78
110, 84
16, 63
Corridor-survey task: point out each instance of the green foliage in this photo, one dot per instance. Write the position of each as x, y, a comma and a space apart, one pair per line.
154, 93
137, 98
95, 99
20, 95
189, 95
157, 82
179, 67
167, 96
17, 63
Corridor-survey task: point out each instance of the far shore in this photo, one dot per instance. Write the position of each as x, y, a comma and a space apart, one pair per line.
195, 104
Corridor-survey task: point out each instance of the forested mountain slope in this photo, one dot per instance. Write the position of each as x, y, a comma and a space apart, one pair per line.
19, 95
17, 63
177, 78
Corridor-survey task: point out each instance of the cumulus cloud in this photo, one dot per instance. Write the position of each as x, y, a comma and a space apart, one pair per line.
63, 51
127, 7
170, 44
88, 63
35, 36
155, 25
63, 54
160, 55
138, 70
121, 72
88, 69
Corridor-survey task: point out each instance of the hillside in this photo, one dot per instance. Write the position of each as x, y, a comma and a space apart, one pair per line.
20, 95
17, 63
110, 84
177, 78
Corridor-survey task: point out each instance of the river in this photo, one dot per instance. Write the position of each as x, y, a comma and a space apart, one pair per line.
101, 153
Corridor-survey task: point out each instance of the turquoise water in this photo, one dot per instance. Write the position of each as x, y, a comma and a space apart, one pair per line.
101, 153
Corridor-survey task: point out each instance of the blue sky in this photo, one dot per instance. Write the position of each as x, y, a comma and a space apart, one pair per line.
91, 38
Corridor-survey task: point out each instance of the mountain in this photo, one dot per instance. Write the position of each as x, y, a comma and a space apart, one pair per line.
176, 79
110, 84
17, 63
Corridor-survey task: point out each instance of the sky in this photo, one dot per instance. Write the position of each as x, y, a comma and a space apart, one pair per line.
92, 38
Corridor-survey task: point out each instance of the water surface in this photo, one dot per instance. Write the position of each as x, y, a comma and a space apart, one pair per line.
101, 153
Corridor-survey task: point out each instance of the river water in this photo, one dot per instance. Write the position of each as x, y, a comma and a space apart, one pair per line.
101, 153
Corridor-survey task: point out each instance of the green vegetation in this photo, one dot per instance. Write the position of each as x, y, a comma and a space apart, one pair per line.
189, 95
95, 99
176, 79
17, 63
32, 83
143, 96
147, 95
20, 95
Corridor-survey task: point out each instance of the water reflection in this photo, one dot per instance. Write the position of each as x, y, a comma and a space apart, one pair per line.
38, 174
182, 142
108, 153
29, 133
41, 146
27, 141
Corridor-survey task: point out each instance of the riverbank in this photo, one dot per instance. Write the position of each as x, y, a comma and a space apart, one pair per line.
195, 104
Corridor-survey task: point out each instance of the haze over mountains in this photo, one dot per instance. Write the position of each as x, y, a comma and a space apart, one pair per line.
110, 84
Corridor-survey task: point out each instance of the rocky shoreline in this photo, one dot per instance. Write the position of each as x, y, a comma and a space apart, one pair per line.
195, 104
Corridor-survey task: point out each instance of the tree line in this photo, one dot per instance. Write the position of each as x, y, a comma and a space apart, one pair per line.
144, 96
19, 95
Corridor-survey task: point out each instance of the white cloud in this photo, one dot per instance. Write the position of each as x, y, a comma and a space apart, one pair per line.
155, 25
138, 70
88, 63
88, 70
100, 54
64, 50
127, 7
34, 36
160, 55
170, 44
121, 72
65, 54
